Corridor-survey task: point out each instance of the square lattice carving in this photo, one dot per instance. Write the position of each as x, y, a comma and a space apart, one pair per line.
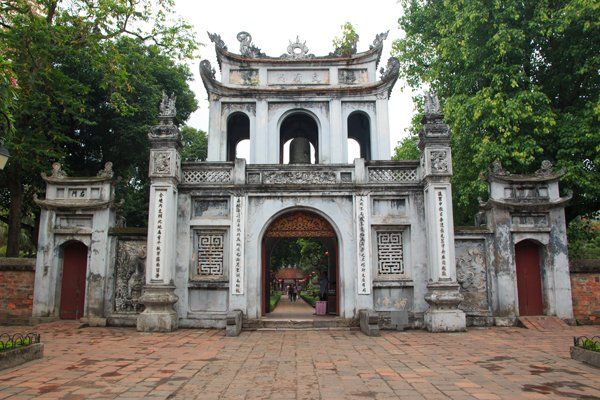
210, 247
390, 253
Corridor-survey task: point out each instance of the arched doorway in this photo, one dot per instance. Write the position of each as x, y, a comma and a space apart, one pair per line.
72, 292
302, 126
238, 130
359, 129
303, 225
529, 279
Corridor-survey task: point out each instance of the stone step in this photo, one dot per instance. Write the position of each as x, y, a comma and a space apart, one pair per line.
299, 324
543, 323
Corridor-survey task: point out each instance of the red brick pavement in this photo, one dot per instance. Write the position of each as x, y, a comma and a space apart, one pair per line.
496, 363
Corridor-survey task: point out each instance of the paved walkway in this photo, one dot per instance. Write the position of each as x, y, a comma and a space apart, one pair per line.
498, 363
287, 309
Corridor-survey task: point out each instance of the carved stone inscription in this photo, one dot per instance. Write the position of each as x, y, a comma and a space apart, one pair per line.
390, 254
442, 228
362, 244
210, 252
130, 268
471, 275
237, 246
296, 77
159, 234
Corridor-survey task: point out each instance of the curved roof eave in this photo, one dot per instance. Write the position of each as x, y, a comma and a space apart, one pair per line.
386, 84
373, 54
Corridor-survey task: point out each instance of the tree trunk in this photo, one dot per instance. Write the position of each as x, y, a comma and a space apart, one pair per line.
15, 211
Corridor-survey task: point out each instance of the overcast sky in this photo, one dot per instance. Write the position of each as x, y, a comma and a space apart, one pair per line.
272, 23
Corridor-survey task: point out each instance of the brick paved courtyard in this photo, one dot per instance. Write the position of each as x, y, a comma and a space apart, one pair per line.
498, 363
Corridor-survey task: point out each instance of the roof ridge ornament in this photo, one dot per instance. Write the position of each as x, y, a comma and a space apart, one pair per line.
207, 68
247, 48
107, 171
166, 113
432, 103
546, 169
497, 169
379, 38
297, 50
216, 39
391, 69
57, 171
167, 110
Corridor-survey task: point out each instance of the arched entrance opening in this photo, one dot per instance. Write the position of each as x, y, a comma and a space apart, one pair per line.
300, 132
303, 245
529, 278
359, 129
74, 270
238, 130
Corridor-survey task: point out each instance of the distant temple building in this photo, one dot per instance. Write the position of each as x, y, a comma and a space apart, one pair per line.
393, 250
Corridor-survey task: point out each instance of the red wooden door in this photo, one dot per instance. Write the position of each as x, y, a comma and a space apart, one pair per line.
72, 293
529, 280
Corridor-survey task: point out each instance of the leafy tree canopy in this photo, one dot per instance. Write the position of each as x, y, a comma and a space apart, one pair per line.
195, 144
346, 44
90, 75
519, 83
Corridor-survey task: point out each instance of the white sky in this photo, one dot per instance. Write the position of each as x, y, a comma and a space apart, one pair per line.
272, 23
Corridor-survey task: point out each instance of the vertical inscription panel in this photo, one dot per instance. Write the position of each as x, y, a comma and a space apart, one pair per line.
158, 234
363, 244
237, 244
441, 221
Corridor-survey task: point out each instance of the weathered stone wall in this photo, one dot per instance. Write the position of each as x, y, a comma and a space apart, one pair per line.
126, 276
16, 290
585, 289
472, 274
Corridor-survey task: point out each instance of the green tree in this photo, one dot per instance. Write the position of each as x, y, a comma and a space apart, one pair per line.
518, 82
8, 97
71, 62
345, 45
195, 144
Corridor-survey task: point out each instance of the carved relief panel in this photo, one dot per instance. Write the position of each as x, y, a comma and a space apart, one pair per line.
353, 76
245, 77
471, 274
164, 162
438, 161
130, 268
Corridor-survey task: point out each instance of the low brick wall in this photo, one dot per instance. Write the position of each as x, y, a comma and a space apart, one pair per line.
16, 290
585, 290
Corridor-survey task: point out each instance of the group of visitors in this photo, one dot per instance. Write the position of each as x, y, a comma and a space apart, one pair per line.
292, 292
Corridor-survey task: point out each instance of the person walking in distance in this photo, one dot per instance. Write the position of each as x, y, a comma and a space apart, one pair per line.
323, 283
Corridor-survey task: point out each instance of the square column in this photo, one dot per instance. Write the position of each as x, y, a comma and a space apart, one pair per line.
165, 173
443, 291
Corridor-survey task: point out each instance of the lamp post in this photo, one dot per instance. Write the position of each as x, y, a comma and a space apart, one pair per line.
4, 155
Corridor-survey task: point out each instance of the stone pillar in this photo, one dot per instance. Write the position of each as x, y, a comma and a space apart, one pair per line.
165, 174
443, 295
339, 142
215, 148
380, 137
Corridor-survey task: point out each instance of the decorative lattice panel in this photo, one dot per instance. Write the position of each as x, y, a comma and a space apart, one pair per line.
392, 175
210, 248
390, 255
207, 176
